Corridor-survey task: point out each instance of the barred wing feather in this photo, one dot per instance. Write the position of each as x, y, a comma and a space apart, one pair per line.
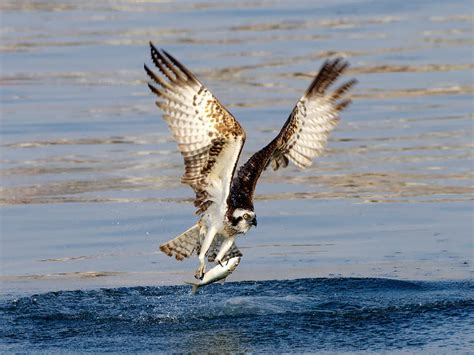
208, 136
303, 136
315, 115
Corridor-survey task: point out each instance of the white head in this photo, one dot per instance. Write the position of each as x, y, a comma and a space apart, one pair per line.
243, 219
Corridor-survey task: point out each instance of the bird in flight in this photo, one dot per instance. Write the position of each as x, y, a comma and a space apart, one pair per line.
210, 140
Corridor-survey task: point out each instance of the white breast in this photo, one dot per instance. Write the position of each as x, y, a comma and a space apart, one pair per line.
219, 184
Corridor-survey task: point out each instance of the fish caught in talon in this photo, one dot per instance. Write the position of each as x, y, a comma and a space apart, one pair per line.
217, 273
211, 140
200, 272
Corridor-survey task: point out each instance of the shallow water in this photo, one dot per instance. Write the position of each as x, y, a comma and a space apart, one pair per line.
268, 316
90, 175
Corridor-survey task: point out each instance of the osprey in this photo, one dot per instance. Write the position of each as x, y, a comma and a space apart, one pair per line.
210, 140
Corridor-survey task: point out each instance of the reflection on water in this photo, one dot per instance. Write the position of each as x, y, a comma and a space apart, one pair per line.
79, 126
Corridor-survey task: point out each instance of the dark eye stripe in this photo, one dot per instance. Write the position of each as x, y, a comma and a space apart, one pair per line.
236, 221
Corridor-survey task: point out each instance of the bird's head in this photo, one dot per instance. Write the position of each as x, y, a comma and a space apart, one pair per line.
243, 219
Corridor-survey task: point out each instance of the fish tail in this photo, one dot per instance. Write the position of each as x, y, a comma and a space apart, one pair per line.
195, 286
183, 245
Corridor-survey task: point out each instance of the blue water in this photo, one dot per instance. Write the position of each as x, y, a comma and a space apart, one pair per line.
90, 178
340, 314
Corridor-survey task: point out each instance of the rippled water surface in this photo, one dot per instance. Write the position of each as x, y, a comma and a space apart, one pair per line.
90, 175
267, 316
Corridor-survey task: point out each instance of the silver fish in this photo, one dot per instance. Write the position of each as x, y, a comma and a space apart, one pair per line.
218, 272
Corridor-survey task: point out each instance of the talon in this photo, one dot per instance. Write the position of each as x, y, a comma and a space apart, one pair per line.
218, 261
201, 270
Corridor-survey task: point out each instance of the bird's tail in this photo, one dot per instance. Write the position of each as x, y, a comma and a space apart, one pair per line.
183, 245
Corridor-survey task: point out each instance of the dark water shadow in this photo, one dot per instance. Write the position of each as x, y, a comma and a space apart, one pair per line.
291, 315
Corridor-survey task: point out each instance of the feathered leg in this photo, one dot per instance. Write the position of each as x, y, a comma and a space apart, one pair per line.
211, 232
226, 245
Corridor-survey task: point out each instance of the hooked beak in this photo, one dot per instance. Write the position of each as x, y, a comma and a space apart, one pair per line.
254, 222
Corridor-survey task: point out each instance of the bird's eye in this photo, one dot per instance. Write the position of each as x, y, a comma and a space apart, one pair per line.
246, 216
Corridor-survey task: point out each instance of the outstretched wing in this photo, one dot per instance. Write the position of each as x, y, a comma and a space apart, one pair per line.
304, 134
208, 136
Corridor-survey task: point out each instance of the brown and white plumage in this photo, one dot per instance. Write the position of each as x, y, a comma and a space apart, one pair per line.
210, 140
183, 245
204, 130
304, 134
315, 115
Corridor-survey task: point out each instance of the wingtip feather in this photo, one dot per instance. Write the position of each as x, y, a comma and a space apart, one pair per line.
153, 89
188, 74
343, 104
341, 90
328, 73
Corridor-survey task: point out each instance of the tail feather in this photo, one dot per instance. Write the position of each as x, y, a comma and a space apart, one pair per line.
216, 247
183, 245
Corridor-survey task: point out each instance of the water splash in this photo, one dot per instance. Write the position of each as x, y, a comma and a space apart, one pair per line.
292, 315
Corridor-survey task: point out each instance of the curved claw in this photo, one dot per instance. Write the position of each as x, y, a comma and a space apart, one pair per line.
201, 270
218, 261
